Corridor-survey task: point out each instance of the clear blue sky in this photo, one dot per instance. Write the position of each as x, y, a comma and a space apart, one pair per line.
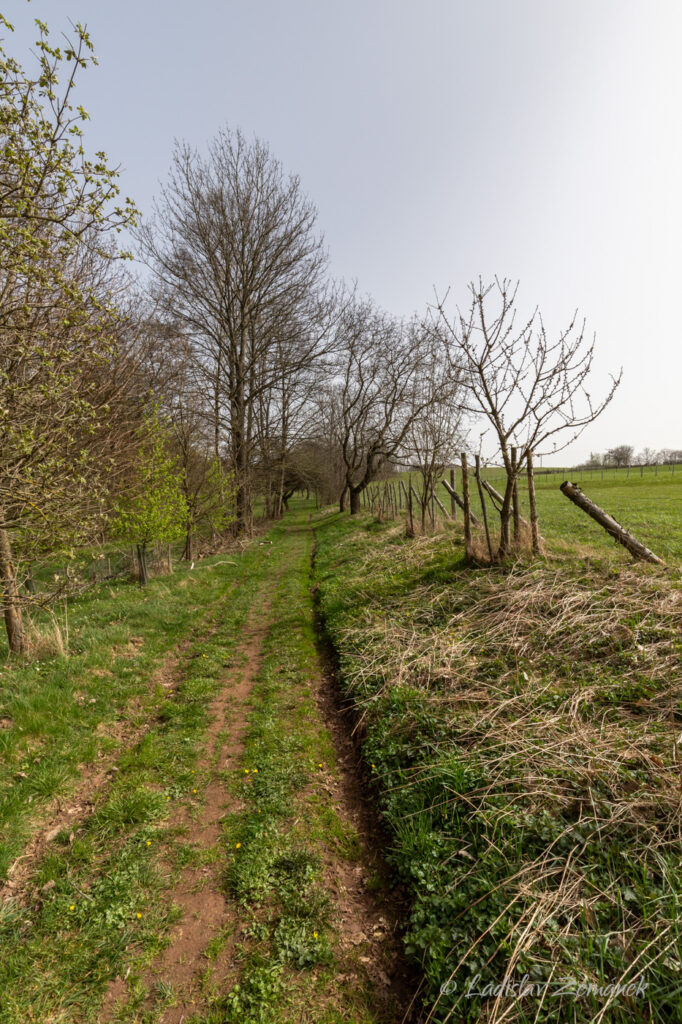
440, 140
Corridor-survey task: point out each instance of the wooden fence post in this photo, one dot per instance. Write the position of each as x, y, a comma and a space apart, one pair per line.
453, 485
624, 537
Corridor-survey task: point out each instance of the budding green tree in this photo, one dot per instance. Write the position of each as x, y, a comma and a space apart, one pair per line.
56, 209
154, 507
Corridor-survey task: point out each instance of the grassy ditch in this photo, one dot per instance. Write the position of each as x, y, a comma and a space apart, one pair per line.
522, 726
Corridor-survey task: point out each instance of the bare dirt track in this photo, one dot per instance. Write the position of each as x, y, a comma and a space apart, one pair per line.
365, 913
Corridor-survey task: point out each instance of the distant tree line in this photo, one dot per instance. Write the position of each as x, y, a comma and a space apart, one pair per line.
624, 455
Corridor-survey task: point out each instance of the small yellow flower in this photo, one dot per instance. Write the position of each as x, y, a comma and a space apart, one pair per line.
237, 846
373, 766
314, 935
255, 771
149, 842
194, 790
72, 907
319, 765
138, 916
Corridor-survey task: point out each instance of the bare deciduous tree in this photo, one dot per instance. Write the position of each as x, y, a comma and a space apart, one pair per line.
236, 258
376, 396
532, 390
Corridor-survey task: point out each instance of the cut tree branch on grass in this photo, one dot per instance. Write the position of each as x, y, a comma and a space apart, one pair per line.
613, 528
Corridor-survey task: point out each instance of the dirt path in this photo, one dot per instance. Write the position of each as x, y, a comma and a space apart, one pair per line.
198, 894
204, 958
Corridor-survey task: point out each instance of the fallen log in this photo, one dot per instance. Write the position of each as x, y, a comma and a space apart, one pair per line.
624, 537
458, 501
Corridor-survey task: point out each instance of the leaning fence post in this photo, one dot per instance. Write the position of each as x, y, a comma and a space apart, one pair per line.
453, 485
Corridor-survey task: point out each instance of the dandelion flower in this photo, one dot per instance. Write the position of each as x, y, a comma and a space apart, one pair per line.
237, 846
138, 916
194, 790
314, 935
255, 771
149, 842
246, 771
72, 907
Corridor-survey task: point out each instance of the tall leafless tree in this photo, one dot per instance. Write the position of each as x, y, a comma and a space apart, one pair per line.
235, 255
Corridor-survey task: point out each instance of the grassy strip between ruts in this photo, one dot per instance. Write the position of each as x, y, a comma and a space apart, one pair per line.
98, 898
524, 727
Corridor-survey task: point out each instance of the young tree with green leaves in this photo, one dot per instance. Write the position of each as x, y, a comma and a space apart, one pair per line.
153, 507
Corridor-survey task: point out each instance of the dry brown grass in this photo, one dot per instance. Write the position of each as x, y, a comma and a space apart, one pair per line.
562, 684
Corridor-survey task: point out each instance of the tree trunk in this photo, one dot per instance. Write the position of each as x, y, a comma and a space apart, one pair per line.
535, 535
515, 498
483, 508
188, 553
636, 549
10, 597
143, 575
498, 499
466, 506
354, 501
342, 499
